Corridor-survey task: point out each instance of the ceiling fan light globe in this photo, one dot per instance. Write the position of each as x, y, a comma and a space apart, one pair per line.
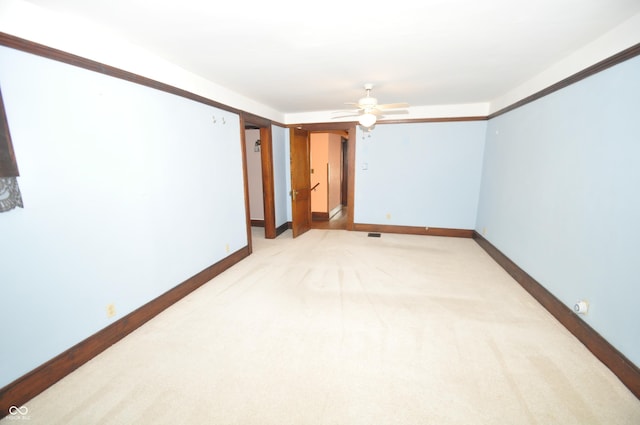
367, 120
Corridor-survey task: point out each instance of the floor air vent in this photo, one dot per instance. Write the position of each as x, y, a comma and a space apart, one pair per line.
374, 235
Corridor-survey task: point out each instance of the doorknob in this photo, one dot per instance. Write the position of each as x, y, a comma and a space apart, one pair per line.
293, 194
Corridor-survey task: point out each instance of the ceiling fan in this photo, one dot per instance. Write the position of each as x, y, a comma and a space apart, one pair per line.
369, 111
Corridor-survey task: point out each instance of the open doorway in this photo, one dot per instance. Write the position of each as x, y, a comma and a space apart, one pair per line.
337, 214
259, 188
254, 175
329, 169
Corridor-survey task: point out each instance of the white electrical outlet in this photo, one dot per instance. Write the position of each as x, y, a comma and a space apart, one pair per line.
581, 307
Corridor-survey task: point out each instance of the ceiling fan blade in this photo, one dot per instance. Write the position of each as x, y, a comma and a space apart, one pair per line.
393, 106
395, 112
346, 110
369, 105
346, 116
357, 108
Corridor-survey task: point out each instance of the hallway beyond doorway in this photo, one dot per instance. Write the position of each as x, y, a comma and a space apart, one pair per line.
337, 222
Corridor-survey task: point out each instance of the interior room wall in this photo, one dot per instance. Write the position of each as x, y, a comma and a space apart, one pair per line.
325, 152
420, 174
559, 196
254, 175
319, 153
128, 191
287, 164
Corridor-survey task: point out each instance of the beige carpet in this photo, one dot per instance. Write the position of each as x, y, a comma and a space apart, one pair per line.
338, 328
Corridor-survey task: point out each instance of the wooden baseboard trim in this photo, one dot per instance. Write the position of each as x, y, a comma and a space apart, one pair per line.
257, 223
283, 228
325, 216
335, 211
413, 230
33, 383
320, 216
622, 367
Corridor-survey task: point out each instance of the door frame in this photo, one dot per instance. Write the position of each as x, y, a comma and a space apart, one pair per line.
266, 161
350, 128
344, 170
300, 170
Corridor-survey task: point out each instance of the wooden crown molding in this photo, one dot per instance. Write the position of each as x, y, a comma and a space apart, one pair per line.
59, 55
620, 57
79, 61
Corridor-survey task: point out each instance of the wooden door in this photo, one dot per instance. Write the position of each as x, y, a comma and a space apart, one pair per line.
344, 170
300, 181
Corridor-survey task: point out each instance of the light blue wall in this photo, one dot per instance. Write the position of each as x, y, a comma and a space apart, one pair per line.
280, 177
560, 196
128, 191
287, 164
423, 174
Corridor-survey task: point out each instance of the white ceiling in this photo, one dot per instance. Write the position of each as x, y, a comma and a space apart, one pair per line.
297, 56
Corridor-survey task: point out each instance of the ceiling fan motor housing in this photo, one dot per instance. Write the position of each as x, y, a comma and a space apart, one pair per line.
367, 102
